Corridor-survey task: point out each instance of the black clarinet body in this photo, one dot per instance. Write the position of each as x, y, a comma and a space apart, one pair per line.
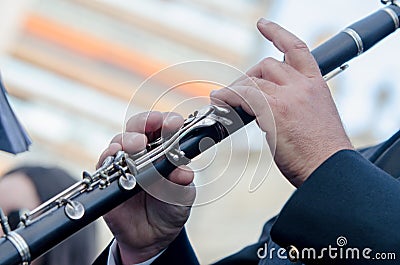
356, 39
45, 227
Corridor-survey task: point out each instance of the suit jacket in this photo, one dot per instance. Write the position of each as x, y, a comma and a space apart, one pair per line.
348, 204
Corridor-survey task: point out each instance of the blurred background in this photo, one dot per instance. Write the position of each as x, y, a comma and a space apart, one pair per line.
71, 68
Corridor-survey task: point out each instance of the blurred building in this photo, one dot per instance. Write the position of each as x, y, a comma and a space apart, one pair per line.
72, 66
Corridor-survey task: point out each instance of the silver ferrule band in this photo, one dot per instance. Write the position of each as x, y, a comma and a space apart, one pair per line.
394, 16
357, 39
21, 246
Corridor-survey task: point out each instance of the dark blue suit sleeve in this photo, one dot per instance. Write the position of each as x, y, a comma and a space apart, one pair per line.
347, 196
179, 252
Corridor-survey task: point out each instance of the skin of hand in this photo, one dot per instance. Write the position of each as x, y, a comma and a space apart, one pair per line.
308, 126
143, 226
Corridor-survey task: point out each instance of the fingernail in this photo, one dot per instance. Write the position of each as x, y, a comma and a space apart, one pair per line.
263, 21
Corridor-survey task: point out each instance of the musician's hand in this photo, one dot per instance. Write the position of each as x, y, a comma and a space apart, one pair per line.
308, 127
143, 226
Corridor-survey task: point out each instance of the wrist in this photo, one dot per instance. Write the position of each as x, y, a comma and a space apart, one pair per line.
317, 158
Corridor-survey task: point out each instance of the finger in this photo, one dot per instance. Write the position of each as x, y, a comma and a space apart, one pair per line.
241, 78
295, 50
275, 71
145, 122
133, 142
252, 100
235, 96
110, 151
255, 71
152, 123
117, 138
264, 85
182, 175
172, 121
231, 97
260, 104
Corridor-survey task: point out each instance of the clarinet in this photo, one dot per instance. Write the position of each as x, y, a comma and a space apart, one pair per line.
116, 180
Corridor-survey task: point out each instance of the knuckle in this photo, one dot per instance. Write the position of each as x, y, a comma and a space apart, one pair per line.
137, 120
253, 78
116, 139
279, 108
299, 45
266, 62
246, 93
215, 95
255, 81
273, 88
131, 122
310, 86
